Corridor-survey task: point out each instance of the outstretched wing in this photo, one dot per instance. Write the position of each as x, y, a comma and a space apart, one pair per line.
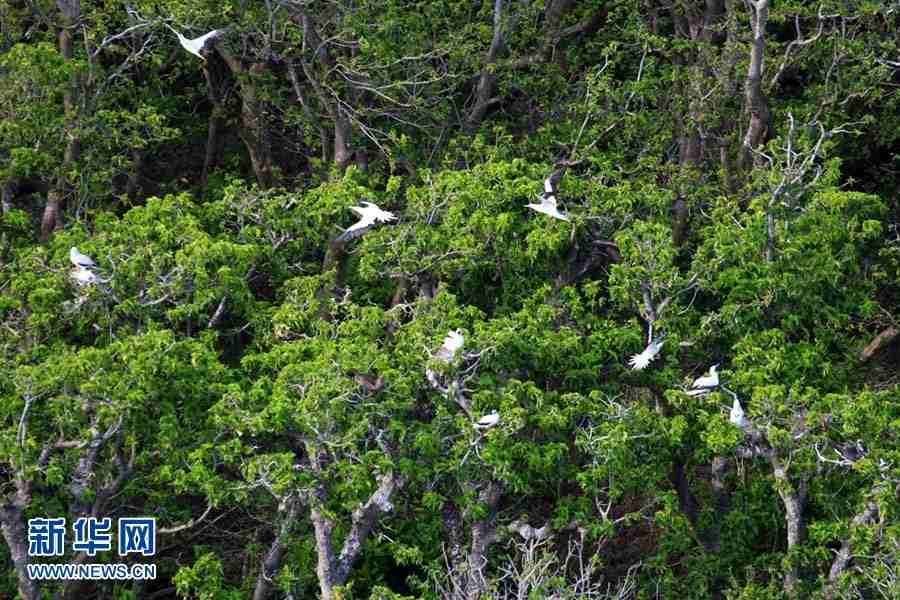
202, 41
361, 224
640, 361
385, 216
452, 343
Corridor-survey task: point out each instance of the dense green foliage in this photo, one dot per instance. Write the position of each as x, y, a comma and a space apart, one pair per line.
273, 392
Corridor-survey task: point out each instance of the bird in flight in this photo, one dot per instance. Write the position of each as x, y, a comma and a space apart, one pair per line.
488, 420
705, 384
369, 214
737, 415
548, 203
640, 361
197, 45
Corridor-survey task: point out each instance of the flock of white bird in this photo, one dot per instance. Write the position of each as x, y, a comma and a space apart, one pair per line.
370, 214
701, 386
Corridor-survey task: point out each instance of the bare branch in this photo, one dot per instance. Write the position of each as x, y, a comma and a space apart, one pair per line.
191, 523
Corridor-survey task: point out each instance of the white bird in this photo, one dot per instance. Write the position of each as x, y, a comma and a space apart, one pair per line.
548, 202
80, 260
369, 214
640, 361
452, 343
548, 186
737, 415
705, 384
83, 276
488, 420
197, 45
548, 207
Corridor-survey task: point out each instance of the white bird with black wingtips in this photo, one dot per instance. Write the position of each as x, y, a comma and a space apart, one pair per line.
548, 203
197, 45
706, 384
640, 361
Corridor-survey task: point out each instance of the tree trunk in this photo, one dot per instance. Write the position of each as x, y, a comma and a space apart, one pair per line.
52, 218
343, 155
342, 130
325, 567
842, 560
686, 501
471, 583
133, 186
254, 130
15, 533
698, 26
324, 139
333, 569
272, 562
722, 504
210, 158
255, 135
214, 124
7, 193
487, 81
756, 103
794, 499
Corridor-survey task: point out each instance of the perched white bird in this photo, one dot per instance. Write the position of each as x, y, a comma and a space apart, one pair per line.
83, 276
369, 214
737, 415
640, 361
452, 343
705, 384
488, 420
80, 260
197, 45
